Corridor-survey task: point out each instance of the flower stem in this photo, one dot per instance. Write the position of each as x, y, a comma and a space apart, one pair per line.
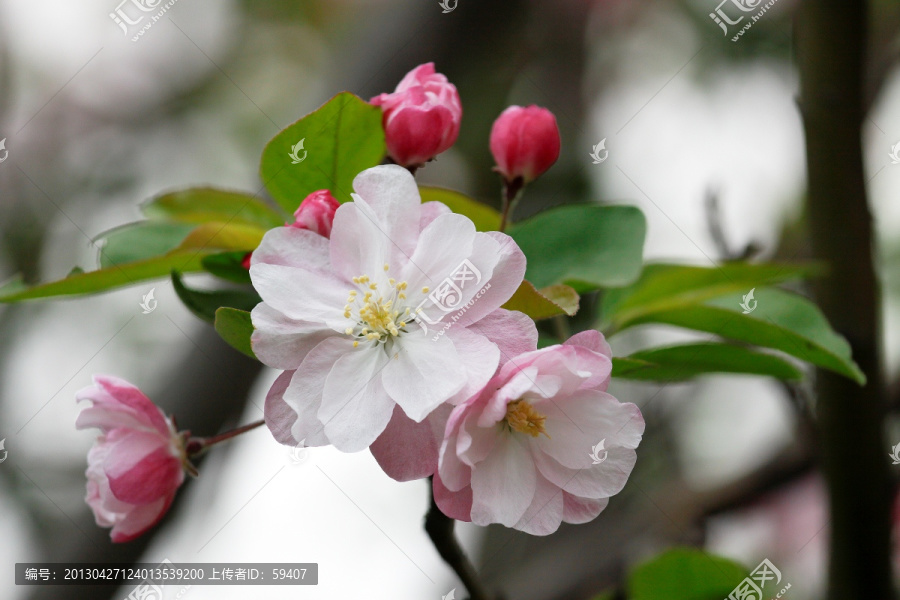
198, 446
512, 192
440, 529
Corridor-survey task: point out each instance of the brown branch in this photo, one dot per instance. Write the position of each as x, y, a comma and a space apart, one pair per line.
831, 42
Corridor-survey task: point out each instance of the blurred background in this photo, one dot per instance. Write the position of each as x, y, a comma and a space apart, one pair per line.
94, 123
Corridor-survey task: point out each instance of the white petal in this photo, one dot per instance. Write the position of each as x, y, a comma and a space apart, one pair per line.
281, 342
423, 373
506, 276
293, 247
480, 358
442, 248
355, 408
546, 511
513, 332
503, 485
431, 211
392, 193
300, 294
359, 243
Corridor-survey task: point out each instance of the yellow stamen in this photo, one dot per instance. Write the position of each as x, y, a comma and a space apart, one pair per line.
425, 289
521, 416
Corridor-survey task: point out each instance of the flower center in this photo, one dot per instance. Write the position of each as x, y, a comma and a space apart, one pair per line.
376, 315
521, 416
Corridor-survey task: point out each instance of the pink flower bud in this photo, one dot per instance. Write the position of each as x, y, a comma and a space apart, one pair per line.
137, 463
421, 118
316, 213
525, 142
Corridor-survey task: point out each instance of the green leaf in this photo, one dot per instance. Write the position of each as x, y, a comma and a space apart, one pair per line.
665, 286
140, 241
228, 266
223, 236
201, 205
584, 246
204, 304
781, 320
552, 301
677, 363
235, 327
484, 216
185, 261
685, 574
340, 139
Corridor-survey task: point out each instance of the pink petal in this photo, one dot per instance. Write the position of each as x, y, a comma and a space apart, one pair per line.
480, 358
141, 467
140, 519
506, 276
430, 212
581, 510
546, 511
280, 417
513, 332
407, 450
117, 403
443, 246
456, 505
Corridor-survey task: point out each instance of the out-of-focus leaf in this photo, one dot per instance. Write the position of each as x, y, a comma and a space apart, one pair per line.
201, 205
584, 246
678, 363
685, 574
184, 261
140, 241
339, 140
235, 327
204, 304
228, 266
780, 320
551, 301
483, 216
223, 236
664, 286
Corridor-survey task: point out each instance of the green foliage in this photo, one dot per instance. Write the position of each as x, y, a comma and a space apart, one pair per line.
340, 139
204, 304
235, 327
483, 216
201, 205
665, 286
584, 246
140, 241
685, 574
552, 301
782, 321
228, 266
678, 363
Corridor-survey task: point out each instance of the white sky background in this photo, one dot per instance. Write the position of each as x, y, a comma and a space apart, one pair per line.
739, 132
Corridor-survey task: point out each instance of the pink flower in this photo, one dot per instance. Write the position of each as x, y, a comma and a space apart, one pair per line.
542, 443
525, 142
137, 463
353, 321
422, 116
316, 213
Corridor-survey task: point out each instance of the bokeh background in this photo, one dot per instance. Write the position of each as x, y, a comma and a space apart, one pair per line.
95, 123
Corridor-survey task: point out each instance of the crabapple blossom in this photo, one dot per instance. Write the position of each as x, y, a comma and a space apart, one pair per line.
399, 308
525, 142
421, 117
137, 463
519, 452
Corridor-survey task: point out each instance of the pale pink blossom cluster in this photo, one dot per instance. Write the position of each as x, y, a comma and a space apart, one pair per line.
357, 306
